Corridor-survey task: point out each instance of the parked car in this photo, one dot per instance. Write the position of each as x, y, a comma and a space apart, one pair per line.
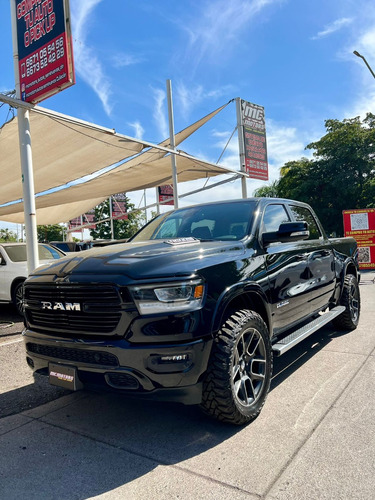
104, 243
71, 246
13, 269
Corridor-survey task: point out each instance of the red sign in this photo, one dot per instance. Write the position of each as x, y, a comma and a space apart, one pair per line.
76, 222
45, 54
360, 225
252, 129
166, 194
90, 219
119, 209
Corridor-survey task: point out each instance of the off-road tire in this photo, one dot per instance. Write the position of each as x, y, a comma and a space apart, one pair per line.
240, 369
350, 298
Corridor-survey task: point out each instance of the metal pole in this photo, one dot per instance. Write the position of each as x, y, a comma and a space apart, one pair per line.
145, 200
157, 201
171, 134
26, 159
364, 59
241, 146
111, 218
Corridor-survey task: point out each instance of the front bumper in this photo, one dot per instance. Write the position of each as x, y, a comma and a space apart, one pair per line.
169, 372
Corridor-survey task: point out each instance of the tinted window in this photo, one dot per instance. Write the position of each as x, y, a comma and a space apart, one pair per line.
218, 221
17, 253
302, 213
46, 252
274, 215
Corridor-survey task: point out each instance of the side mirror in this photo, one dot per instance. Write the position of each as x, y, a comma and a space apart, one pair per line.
2, 261
288, 232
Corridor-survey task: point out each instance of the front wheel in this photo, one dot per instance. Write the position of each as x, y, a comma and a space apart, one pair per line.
350, 298
240, 369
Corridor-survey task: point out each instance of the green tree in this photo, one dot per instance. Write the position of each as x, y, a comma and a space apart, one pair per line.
52, 232
268, 191
341, 174
6, 235
123, 228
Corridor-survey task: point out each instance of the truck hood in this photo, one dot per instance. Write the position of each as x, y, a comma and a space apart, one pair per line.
147, 259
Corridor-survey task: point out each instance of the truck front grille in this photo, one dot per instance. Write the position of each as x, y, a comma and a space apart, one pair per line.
73, 309
75, 355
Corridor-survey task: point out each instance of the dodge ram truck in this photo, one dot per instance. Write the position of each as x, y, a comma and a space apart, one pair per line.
194, 306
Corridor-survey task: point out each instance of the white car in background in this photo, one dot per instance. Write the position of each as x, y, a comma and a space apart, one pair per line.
13, 269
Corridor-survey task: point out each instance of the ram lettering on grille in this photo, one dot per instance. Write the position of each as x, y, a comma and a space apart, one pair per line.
61, 306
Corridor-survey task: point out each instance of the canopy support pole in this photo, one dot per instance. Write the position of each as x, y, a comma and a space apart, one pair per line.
241, 146
111, 217
172, 145
26, 160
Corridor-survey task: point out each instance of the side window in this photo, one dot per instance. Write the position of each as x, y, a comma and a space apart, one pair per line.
48, 253
302, 213
274, 215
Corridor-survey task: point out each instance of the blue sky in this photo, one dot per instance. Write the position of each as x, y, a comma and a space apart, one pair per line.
294, 57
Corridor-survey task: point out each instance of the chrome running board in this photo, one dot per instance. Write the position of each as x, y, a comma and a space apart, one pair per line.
296, 337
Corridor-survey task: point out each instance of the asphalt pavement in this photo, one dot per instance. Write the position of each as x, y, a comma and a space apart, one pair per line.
315, 437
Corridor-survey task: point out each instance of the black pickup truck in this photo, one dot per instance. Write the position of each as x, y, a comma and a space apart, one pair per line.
194, 306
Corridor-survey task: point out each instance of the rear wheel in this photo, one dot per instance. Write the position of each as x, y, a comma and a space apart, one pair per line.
350, 298
17, 297
240, 369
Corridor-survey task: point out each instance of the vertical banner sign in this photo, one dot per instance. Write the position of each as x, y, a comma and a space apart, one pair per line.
76, 222
360, 225
166, 193
89, 218
119, 209
252, 133
44, 48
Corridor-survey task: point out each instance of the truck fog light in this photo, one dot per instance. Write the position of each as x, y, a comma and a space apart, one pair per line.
170, 363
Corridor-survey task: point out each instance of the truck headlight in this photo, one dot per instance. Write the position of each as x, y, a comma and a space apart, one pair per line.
168, 298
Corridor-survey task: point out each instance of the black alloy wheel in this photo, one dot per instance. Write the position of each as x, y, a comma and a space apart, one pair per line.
351, 300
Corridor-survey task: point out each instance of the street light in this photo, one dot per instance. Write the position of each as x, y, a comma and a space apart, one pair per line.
367, 64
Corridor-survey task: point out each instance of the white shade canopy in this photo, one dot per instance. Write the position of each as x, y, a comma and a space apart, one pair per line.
65, 149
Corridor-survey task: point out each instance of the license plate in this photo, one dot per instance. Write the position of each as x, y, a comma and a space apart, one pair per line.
64, 376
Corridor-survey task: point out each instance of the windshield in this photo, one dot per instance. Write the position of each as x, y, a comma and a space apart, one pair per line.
217, 221
17, 253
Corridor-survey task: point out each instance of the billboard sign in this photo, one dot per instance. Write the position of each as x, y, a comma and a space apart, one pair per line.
89, 218
83, 220
166, 194
44, 46
360, 225
119, 209
76, 222
252, 139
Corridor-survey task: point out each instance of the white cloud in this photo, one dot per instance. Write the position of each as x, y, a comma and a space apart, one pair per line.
220, 24
122, 60
159, 112
333, 27
138, 129
189, 98
363, 100
86, 62
284, 144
